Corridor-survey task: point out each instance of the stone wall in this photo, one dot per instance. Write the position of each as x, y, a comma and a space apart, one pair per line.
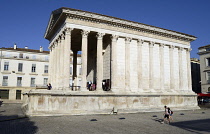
47, 103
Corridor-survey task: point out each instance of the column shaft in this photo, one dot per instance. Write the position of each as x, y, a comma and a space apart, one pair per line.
151, 69
171, 53
84, 59
99, 61
62, 62
180, 69
55, 65
162, 67
67, 52
58, 69
50, 63
127, 63
140, 43
114, 63
189, 70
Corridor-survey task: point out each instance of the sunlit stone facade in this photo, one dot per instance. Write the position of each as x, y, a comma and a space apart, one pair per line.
147, 66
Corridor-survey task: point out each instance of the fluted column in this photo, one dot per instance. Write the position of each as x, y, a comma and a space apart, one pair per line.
140, 43
58, 69
67, 52
180, 69
84, 59
189, 69
99, 61
151, 69
162, 77
114, 63
61, 85
171, 53
74, 68
50, 63
127, 63
55, 65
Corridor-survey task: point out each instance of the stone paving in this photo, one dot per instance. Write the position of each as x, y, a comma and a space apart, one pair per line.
13, 121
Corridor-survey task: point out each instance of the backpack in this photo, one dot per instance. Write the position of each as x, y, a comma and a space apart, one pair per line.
170, 112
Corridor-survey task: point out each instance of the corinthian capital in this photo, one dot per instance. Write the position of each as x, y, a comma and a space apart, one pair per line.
140, 42
85, 33
151, 43
189, 49
171, 46
68, 30
62, 36
114, 37
100, 35
128, 40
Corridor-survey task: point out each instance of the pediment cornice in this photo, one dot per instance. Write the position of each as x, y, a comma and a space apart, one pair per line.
117, 22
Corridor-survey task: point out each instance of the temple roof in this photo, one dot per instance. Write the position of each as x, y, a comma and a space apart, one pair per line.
58, 16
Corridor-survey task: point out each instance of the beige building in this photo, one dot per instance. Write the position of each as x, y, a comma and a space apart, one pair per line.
146, 66
22, 69
204, 53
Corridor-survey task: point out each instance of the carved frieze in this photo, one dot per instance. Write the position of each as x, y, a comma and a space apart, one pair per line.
117, 22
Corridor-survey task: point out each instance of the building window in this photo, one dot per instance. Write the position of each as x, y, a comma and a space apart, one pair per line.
33, 69
45, 68
20, 67
45, 81
207, 62
70, 70
4, 94
19, 81
20, 55
18, 94
5, 81
33, 82
6, 66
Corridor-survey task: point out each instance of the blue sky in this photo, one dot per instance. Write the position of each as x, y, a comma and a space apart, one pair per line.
24, 21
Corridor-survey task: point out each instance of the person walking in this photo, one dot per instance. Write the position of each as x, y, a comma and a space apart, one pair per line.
170, 114
166, 115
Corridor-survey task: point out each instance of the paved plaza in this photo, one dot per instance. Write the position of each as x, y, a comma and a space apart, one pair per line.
13, 121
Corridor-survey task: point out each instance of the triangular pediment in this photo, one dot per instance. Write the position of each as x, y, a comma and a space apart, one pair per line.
53, 19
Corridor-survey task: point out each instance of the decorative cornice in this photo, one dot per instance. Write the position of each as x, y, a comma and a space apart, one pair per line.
117, 22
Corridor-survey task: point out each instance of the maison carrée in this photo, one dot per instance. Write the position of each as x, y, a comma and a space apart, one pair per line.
131, 66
